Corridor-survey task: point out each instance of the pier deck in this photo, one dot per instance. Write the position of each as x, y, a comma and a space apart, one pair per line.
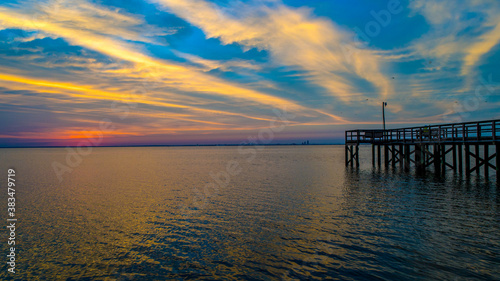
443, 146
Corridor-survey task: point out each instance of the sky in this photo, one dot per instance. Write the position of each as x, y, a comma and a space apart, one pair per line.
167, 72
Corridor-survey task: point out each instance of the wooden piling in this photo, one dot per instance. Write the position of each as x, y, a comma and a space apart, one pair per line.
442, 149
467, 160
497, 162
437, 158
418, 156
407, 156
401, 156
426, 155
373, 155
357, 156
393, 156
386, 155
352, 155
477, 159
454, 159
486, 166
460, 158
346, 155
379, 159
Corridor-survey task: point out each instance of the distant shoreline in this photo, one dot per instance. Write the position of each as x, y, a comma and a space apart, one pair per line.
177, 145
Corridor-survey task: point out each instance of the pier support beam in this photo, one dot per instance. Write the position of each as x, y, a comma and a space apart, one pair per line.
460, 159
454, 151
497, 162
428, 155
467, 160
437, 158
393, 155
386, 155
346, 155
442, 149
425, 155
486, 159
373, 155
352, 155
401, 156
477, 160
407, 156
379, 158
418, 157
357, 156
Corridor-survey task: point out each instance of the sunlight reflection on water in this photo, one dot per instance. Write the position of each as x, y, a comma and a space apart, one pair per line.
293, 213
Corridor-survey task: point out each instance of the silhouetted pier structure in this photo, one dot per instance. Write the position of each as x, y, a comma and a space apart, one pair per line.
455, 146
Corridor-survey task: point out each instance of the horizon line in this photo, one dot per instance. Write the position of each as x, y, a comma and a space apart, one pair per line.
175, 145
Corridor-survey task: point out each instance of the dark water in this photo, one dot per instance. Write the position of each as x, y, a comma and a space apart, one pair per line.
284, 213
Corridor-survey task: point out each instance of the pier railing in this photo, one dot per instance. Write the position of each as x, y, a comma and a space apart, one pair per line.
468, 132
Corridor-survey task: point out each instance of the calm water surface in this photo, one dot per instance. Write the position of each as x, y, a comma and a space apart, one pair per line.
212, 213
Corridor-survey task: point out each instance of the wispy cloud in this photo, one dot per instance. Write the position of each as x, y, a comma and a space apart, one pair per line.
217, 69
294, 37
174, 75
460, 30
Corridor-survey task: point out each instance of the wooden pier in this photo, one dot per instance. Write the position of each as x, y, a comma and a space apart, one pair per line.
447, 146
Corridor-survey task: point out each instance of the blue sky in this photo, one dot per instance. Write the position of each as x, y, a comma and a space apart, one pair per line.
198, 71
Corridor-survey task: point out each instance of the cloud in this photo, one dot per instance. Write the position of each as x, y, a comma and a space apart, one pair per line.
84, 92
294, 37
482, 46
436, 12
174, 75
462, 30
84, 16
224, 65
69, 61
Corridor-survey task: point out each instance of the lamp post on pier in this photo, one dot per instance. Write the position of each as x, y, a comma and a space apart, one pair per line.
384, 104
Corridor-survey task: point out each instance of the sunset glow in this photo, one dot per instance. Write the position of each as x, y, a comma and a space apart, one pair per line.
215, 72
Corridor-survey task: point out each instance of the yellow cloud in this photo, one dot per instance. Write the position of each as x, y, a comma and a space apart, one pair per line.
174, 75
83, 29
88, 92
448, 39
81, 15
482, 46
293, 37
